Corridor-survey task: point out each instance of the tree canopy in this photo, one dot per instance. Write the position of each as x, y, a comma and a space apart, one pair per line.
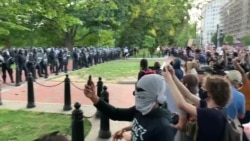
25, 23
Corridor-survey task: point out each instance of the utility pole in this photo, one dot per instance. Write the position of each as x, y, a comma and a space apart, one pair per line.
218, 36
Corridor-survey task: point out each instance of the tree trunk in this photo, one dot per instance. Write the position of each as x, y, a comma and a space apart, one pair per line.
69, 41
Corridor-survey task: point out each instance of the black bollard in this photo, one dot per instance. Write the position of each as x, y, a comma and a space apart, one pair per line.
77, 123
31, 99
67, 96
1, 93
17, 75
104, 132
99, 92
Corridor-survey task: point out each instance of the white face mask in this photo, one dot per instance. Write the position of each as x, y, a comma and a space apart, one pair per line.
153, 88
144, 102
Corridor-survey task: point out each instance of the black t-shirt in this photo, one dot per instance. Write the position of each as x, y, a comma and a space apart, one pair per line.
211, 123
154, 126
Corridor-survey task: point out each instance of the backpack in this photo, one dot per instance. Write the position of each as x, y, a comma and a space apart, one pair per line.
231, 132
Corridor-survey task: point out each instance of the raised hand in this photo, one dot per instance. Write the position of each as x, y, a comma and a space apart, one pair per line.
171, 70
168, 73
89, 91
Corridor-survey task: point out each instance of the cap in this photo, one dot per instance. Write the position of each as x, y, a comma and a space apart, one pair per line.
234, 75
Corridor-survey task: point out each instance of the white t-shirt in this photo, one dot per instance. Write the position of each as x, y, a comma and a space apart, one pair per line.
171, 104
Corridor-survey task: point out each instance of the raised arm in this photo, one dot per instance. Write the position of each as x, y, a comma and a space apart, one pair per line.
121, 114
240, 69
185, 92
225, 57
178, 97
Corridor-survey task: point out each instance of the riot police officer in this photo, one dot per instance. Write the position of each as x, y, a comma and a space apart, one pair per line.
39, 58
44, 63
6, 66
82, 62
65, 60
21, 64
53, 61
75, 58
31, 63
60, 59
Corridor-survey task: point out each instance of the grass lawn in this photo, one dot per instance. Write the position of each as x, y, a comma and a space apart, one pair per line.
112, 71
27, 126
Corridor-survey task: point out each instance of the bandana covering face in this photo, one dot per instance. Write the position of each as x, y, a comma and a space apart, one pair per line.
152, 88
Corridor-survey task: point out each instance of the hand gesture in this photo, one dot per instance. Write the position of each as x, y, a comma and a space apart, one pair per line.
171, 70
168, 73
118, 135
89, 91
236, 59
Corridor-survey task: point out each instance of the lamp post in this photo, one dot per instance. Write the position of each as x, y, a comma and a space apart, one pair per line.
201, 38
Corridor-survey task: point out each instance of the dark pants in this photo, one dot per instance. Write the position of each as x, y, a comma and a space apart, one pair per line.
10, 72
245, 120
45, 69
23, 67
65, 66
31, 69
61, 65
75, 64
39, 69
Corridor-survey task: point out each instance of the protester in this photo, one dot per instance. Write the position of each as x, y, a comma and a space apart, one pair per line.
210, 119
236, 108
244, 89
149, 121
176, 63
144, 69
157, 68
191, 83
192, 67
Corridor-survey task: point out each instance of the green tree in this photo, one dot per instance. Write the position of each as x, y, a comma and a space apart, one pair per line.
187, 32
158, 18
229, 39
246, 40
12, 13
149, 42
90, 22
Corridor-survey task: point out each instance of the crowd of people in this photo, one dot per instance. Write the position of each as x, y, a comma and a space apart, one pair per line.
186, 102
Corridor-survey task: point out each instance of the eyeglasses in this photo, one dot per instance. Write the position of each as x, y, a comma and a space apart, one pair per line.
138, 90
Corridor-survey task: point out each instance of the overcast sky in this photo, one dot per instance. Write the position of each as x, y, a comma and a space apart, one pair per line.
196, 13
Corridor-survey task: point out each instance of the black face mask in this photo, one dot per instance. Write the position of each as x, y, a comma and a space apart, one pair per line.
202, 94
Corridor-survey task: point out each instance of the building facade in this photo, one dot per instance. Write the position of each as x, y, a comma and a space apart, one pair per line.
235, 18
211, 18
